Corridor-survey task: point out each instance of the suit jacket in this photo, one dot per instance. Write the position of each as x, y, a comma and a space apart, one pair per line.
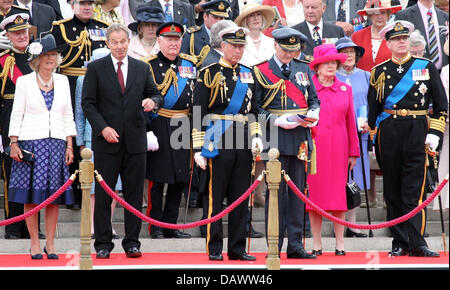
412, 14
330, 12
54, 4
104, 104
363, 38
330, 30
183, 12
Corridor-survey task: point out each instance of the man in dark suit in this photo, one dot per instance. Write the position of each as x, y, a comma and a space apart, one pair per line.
179, 10
117, 90
315, 28
42, 15
426, 17
343, 13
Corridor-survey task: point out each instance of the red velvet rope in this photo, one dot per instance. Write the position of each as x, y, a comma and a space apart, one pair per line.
45, 203
366, 226
177, 226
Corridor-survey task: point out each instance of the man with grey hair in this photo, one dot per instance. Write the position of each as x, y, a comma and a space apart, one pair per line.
417, 44
215, 40
119, 134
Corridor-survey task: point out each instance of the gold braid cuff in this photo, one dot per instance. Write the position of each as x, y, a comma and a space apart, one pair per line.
197, 138
438, 124
255, 128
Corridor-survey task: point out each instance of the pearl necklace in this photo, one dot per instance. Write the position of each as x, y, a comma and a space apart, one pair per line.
45, 84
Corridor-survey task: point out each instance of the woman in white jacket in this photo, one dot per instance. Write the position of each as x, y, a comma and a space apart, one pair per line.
41, 123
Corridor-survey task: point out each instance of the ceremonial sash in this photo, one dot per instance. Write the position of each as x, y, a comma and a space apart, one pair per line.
217, 128
292, 91
400, 90
5, 60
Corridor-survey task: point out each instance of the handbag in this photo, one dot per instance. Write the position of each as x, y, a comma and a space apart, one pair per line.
26, 155
353, 193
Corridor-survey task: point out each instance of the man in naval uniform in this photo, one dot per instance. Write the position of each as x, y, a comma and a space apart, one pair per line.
196, 40
7, 9
224, 92
401, 90
77, 37
13, 64
174, 75
285, 90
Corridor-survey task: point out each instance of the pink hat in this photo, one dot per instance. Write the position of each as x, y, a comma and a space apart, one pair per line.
326, 52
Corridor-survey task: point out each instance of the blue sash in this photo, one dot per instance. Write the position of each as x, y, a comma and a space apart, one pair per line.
400, 90
217, 128
171, 98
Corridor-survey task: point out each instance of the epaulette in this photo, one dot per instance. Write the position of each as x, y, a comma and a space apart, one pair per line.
381, 63
302, 60
101, 21
149, 58
245, 66
4, 52
419, 57
193, 29
188, 57
58, 22
22, 8
208, 66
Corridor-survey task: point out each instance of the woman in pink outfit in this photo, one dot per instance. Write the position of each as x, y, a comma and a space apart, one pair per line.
336, 144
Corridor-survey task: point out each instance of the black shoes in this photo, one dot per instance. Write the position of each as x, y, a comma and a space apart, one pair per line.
339, 252
423, 251
36, 256
215, 257
242, 257
397, 252
316, 252
350, 234
176, 234
103, 254
133, 252
301, 254
157, 234
51, 256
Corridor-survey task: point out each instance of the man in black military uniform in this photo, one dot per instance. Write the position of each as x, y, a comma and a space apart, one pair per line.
401, 90
285, 90
174, 75
196, 40
13, 64
77, 37
224, 92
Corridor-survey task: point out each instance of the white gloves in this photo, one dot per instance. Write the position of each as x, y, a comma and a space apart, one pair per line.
313, 114
152, 142
284, 122
200, 160
5, 43
257, 145
433, 141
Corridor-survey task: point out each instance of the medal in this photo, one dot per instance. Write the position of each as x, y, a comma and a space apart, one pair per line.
400, 69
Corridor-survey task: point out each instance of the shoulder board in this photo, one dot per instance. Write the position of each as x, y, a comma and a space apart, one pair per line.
188, 57
245, 66
21, 8
301, 61
58, 22
381, 63
149, 58
193, 29
4, 52
208, 66
101, 21
424, 58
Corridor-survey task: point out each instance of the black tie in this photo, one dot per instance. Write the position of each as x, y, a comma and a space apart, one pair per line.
285, 71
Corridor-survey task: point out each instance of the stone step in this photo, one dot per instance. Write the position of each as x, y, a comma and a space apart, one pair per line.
71, 246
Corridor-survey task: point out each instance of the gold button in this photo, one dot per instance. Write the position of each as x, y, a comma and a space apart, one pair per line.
403, 112
394, 106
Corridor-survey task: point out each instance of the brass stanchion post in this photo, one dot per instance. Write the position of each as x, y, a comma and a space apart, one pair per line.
86, 178
273, 169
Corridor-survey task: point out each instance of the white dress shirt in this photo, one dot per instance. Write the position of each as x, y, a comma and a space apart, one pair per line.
311, 28
423, 12
124, 67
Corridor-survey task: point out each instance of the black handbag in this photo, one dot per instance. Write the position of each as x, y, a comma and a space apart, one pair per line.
353, 193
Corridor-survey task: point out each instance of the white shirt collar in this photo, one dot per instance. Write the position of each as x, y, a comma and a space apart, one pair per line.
115, 61
311, 27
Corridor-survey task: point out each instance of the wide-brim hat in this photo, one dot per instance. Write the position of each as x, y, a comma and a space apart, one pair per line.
396, 29
15, 22
267, 11
326, 52
377, 6
147, 14
41, 46
234, 35
345, 42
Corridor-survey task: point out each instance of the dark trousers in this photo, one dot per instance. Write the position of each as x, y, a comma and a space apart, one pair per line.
131, 168
402, 154
169, 212
290, 207
230, 175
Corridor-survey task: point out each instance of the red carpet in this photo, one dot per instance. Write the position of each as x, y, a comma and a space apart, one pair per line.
353, 260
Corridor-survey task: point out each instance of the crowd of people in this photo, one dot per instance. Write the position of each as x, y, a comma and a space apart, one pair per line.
178, 97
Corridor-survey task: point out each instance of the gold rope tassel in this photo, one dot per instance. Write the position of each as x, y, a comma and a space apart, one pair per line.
378, 84
214, 85
8, 68
313, 160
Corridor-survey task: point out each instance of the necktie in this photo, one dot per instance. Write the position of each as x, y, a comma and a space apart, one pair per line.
341, 12
285, 71
432, 39
316, 36
167, 12
120, 76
